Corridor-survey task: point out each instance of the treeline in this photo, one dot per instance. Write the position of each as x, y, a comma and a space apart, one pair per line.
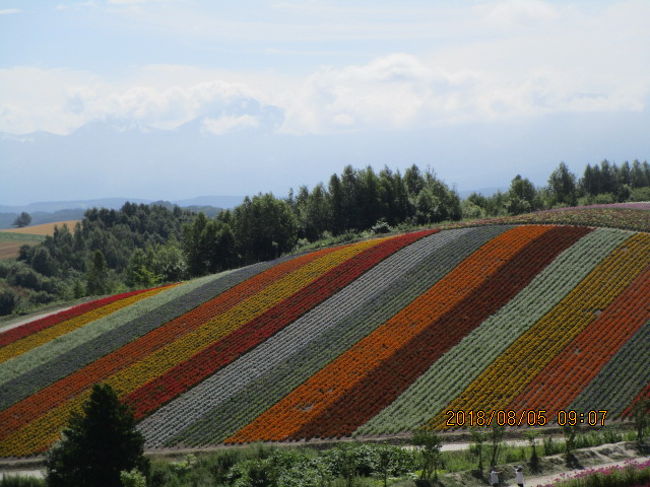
144, 245
599, 184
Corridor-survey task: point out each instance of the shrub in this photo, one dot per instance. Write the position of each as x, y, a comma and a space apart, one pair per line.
8, 302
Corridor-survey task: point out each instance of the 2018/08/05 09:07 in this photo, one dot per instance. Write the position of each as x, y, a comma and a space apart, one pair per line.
510, 417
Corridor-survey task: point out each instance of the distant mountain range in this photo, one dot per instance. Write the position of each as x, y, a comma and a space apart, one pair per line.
116, 203
54, 211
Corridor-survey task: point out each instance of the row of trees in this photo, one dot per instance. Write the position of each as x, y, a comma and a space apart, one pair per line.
601, 183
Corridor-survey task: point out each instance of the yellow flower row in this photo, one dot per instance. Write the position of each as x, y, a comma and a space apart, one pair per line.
513, 370
40, 433
48, 334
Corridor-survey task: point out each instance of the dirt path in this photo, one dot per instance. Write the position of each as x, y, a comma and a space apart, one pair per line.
16, 324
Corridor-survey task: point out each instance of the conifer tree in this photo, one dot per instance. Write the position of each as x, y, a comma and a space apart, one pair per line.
97, 445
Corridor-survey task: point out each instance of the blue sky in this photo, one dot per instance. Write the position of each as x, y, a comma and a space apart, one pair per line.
479, 90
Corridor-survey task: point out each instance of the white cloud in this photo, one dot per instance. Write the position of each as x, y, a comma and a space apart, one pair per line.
10, 11
521, 59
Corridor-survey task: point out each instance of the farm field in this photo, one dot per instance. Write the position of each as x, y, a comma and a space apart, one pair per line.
376, 337
11, 239
43, 229
10, 243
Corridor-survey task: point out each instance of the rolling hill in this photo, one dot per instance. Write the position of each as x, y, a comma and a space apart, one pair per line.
371, 338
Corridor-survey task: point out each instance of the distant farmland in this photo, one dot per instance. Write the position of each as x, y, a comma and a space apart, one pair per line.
43, 229
11, 239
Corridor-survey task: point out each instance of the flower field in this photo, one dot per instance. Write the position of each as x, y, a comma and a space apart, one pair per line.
629, 216
370, 338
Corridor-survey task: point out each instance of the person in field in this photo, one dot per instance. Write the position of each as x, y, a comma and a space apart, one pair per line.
519, 476
494, 477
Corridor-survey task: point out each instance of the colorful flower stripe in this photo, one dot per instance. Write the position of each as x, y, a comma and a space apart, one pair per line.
569, 372
40, 367
370, 395
240, 407
513, 370
207, 362
42, 432
310, 399
50, 333
336, 311
620, 381
457, 368
626, 218
49, 397
35, 326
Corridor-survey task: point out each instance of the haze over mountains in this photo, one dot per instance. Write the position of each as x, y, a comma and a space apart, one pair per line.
109, 158
55, 211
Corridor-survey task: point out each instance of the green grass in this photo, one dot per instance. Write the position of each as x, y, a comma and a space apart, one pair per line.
20, 237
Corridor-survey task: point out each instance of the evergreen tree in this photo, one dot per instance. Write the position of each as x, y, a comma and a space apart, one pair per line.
413, 180
638, 178
562, 184
336, 216
352, 217
97, 445
522, 196
97, 277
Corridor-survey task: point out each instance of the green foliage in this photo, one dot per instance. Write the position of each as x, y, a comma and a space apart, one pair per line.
562, 185
97, 445
479, 437
430, 453
208, 245
534, 463
132, 478
496, 442
641, 415
522, 196
21, 481
8, 302
97, 276
264, 227
380, 227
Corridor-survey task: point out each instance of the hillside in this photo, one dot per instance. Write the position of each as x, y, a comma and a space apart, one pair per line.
370, 338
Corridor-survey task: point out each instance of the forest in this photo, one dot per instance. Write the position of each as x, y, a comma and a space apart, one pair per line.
139, 245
